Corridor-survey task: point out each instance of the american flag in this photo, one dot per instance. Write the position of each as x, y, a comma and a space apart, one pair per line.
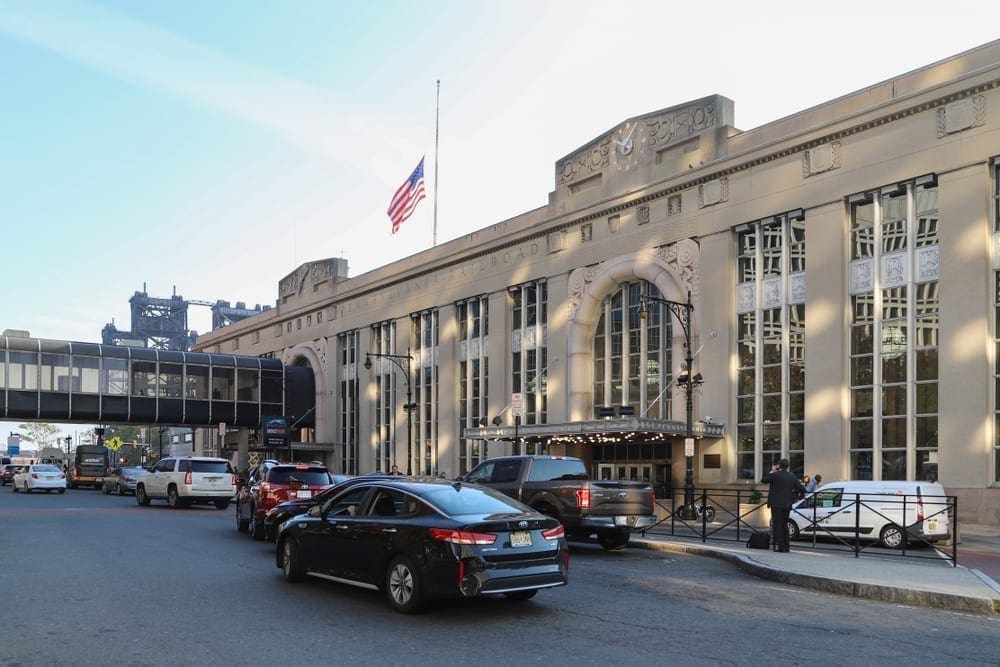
406, 197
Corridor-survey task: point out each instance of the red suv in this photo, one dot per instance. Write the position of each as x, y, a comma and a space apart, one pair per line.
275, 484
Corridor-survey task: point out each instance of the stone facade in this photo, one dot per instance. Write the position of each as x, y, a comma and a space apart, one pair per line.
661, 198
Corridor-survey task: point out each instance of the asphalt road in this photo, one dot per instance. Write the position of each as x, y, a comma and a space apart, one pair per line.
92, 579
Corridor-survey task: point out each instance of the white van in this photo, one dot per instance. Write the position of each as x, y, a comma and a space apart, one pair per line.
874, 510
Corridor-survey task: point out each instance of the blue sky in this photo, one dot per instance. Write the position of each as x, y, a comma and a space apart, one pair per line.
212, 147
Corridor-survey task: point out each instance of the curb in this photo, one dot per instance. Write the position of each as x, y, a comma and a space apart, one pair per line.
877, 592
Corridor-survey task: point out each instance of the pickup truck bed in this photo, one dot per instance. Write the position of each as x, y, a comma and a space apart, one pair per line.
560, 486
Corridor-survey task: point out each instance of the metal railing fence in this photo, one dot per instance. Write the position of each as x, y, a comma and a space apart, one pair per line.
856, 523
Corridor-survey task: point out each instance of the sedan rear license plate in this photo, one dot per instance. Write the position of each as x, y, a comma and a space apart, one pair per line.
521, 538
303, 494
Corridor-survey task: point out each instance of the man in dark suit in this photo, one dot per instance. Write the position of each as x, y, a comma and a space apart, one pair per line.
785, 489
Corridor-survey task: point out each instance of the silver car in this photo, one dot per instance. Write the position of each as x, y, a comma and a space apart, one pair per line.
122, 480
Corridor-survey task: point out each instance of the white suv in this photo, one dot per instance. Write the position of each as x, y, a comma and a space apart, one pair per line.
183, 480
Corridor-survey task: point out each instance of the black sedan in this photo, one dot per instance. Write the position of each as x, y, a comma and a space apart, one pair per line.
418, 539
282, 512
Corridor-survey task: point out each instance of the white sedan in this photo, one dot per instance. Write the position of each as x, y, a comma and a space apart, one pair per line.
40, 477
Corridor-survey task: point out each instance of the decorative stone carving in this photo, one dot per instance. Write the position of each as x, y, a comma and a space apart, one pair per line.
961, 115
320, 346
614, 223
642, 214
928, 264
894, 273
746, 297
663, 128
515, 340
797, 287
771, 293
557, 241
680, 124
579, 279
530, 337
862, 275
713, 192
681, 259
821, 158
674, 205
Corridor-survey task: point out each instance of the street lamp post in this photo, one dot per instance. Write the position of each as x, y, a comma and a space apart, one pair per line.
409, 406
682, 310
69, 441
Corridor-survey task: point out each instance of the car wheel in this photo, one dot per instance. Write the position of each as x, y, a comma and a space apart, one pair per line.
256, 528
221, 504
242, 524
892, 537
140, 495
173, 500
521, 595
291, 564
613, 540
402, 585
793, 530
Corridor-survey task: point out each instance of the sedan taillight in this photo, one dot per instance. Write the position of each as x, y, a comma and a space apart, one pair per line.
554, 533
462, 536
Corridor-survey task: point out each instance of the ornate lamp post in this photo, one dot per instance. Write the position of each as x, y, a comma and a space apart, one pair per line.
409, 406
682, 310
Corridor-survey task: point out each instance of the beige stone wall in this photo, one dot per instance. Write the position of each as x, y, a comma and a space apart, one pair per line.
604, 226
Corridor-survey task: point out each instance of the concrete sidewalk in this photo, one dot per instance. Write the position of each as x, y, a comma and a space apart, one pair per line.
918, 581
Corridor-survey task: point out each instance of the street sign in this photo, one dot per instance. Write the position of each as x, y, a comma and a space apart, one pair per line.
517, 404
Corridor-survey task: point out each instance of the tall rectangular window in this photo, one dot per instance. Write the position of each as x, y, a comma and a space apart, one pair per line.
384, 342
893, 351
770, 335
996, 324
473, 377
529, 354
347, 346
425, 393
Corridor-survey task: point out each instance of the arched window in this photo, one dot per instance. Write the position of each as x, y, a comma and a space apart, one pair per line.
632, 355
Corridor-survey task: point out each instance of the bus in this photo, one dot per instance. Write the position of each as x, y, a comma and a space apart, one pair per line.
90, 465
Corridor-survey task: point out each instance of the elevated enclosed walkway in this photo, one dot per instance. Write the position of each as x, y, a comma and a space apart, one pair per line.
63, 381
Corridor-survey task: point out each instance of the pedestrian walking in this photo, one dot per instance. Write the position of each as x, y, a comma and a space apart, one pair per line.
784, 488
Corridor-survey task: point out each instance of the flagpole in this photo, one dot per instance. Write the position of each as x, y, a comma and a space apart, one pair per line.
437, 125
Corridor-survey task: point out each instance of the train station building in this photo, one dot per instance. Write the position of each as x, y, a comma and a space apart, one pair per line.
694, 302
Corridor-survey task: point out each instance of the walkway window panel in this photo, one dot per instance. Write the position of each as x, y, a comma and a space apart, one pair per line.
196, 382
170, 379
55, 374
86, 401
223, 383
22, 370
144, 378
86, 374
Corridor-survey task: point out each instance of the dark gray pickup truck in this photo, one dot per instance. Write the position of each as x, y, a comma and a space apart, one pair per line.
559, 486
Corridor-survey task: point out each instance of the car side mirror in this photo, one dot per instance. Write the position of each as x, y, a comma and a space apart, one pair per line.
460, 478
